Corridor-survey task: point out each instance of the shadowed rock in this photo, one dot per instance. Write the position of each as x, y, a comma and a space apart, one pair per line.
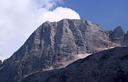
0, 62
117, 35
126, 39
105, 66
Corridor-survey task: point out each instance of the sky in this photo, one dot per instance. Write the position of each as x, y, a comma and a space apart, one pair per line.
19, 18
108, 13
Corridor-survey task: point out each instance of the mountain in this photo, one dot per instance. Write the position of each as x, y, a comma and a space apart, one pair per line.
126, 39
55, 45
105, 66
0, 63
117, 35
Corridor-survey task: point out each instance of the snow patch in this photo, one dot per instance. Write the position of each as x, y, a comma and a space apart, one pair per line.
81, 56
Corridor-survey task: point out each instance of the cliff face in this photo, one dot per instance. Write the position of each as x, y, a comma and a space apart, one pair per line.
54, 45
118, 35
105, 66
0, 63
125, 43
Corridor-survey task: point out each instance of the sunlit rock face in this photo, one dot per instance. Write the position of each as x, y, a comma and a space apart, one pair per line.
55, 45
105, 66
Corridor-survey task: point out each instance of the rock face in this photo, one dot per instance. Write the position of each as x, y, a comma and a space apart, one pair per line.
105, 66
54, 45
117, 35
0, 63
125, 43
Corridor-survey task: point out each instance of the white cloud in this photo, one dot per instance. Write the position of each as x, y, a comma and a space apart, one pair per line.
19, 18
60, 13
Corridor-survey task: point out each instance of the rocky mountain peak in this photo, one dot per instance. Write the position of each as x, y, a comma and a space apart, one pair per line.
55, 45
119, 30
117, 35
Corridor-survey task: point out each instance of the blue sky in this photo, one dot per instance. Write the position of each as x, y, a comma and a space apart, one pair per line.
107, 13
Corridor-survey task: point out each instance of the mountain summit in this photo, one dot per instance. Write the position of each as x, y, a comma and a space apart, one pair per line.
117, 35
55, 45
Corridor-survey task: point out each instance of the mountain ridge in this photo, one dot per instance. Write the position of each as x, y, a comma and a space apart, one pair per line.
110, 66
54, 45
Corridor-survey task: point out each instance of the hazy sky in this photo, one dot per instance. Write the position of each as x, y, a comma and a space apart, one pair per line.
19, 18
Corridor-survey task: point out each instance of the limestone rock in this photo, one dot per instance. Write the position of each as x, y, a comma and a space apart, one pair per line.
55, 45
117, 35
52, 46
105, 66
126, 39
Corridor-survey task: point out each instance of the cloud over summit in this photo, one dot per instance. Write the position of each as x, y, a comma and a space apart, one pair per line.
19, 18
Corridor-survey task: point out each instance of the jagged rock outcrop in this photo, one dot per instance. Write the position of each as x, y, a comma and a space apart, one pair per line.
125, 43
105, 66
117, 35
